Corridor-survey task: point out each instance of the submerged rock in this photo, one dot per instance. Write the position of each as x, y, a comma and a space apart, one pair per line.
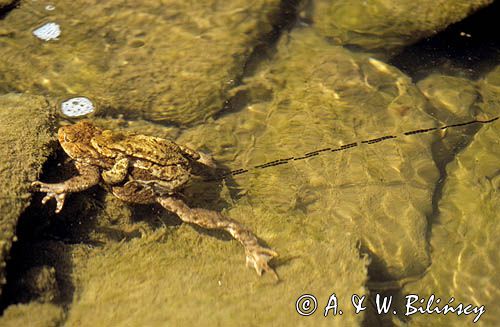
39, 283
172, 61
464, 236
456, 99
465, 242
25, 122
5, 3
451, 96
187, 278
489, 88
388, 24
380, 193
33, 314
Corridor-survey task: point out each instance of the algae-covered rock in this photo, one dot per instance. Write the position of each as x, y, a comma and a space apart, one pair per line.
5, 3
489, 88
33, 314
450, 95
172, 61
459, 98
387, 24
456, 99
465, 242
184, 277
25, 125
380, 193
39, 283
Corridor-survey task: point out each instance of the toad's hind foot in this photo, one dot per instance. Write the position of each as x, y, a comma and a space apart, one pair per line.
258, 258
54, 191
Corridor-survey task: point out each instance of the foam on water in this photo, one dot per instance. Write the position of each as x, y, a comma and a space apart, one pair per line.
47, 32
76, 107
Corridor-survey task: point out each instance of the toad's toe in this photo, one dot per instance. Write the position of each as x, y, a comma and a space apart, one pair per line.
258, 259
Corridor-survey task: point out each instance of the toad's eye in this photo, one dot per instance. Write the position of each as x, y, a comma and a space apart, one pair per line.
69, 138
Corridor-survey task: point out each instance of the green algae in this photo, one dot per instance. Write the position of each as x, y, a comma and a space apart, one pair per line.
23, 150
185, 277
39, 283
32, 314
172, 61
386, 24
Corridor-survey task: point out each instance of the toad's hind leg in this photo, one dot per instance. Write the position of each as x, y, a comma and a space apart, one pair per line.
198, 156
257, 256
118, 172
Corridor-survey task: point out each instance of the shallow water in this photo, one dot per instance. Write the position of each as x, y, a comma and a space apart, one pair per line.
372, 185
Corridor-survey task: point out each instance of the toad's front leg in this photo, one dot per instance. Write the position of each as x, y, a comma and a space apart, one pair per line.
88, 177
257, 255
118, 172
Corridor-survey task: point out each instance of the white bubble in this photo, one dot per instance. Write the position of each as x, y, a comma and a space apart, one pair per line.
47, 32
76, 107
50, 7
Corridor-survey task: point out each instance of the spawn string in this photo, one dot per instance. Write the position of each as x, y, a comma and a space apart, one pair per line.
341, 148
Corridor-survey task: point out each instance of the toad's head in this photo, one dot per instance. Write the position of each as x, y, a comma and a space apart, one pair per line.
75, 139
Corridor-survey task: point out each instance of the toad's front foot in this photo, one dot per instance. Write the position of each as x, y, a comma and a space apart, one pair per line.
54, 191
258, 258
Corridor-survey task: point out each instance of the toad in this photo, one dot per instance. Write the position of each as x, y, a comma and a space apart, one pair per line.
144, 169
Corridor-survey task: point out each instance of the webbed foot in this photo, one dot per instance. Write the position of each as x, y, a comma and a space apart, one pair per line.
54, 191
258, 258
